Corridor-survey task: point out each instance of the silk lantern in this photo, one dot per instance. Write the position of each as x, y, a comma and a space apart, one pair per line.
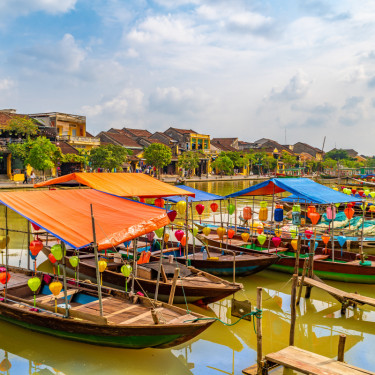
159, 202
220, 232
261, 239
199, 208
102, 265
294, 244
159, 232
214, 206
206, 231
276, 241
183, 240
172, 216
4, 277
331, 213
126, 270
325, 239
150, 236
308, 233
55, 288
231, 208
179, 234
35, 247
245, 236
56, 251
231, 233
181, 207
260, 229
247, 214
34, 284
314, 217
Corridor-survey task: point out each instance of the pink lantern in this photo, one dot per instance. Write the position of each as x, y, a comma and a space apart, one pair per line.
172, 215
179, 234
331, 213
308, 233
276, 241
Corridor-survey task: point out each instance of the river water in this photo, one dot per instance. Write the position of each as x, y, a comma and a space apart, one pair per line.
219, 350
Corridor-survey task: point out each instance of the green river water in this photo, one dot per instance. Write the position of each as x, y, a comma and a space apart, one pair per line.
220, 349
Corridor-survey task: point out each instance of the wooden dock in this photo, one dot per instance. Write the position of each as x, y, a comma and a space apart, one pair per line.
345, 298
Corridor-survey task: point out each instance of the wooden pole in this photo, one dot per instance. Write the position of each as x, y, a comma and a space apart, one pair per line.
333, 239
6, 252
259, 332
363, 224
64, 280
302, 280
28, 244
187, 229
235, 215
341, 349
296, 266
221, 213
160, 264
192, 226
293, 310
311, 267
173, 287
135, 253
96, 262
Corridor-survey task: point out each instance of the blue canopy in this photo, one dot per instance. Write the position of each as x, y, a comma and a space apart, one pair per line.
199, 195
303, 189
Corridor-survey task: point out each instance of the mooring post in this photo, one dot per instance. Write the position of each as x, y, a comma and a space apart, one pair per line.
296, 266
293, 309
302, 280
311, 265
173, 287
259, 332
340, 355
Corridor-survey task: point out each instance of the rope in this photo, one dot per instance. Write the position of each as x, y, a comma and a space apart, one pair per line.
258, 313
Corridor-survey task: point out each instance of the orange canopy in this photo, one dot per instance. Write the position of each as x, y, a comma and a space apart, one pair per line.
121, 184
67, 215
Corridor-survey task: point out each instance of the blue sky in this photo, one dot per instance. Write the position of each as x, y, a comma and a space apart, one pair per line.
242, 68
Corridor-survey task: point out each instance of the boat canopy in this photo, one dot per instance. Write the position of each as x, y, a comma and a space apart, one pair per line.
121, 184
67, 215
199, 195
303, 190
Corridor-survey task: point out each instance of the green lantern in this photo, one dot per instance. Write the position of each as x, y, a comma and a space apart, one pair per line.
56, 251
231, 209
34, 284
126, 270
262, 239
194, 231
74, 261
159, 232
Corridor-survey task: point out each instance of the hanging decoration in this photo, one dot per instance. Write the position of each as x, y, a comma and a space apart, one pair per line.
159, 202
245, 236
159, 232
194, 231
276, 241
4, 241
220, 232
263, 211
372, 210
181, 207
172, 216
231, 208
308, 233
349, 212
331, 212
341, 240
247, 213
183, 241
325, 239
179, 234
294, 232
102, 265
261, 239
260, 229
294, 244
199, 208
214, 207
310, 209
279, 213
55, 288
296, 214
74, 261
126, 270
34, 284
4, 277
206, 231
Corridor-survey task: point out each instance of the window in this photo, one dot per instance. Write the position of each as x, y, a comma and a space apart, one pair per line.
74, 132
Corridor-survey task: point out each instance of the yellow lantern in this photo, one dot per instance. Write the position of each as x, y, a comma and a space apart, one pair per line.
55, 288
245, 236
4, 240
166, 237
220, 232
181, 207
206, 231
102, 264
295, 244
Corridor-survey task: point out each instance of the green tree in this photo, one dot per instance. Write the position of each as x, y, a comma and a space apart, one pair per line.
329, 163
370, 162
22, 126
39, 153
270, 162
251, 160
109, 157
259, 158
73, 158
288, 159
158, 155
337, 154
189, 160
224, 164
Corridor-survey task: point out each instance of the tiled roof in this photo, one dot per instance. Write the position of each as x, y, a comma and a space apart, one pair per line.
137, 132
5, 117
124, 140
66, 148
185, 131
223, 147
224, 140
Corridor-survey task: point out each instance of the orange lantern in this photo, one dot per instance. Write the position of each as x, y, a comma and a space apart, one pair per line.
4, 277
183, 241
310, 209
231, 233
260, 229
314, 217
325, 239
35, 247
159, 202
349, 212
245, 236
247, 214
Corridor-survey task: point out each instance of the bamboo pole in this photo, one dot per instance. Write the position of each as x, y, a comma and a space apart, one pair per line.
160, 265
221, 213
63, 247
187, 229
192, 226
6, 253
134, 264
96, 262
235, 215
296, 266
293, 310
311, 267
259, 332
333, 238
28, 244
363, 224
173, 287
302, 280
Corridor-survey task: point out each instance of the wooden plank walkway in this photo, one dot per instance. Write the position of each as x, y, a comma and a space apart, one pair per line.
339, 294
310, 363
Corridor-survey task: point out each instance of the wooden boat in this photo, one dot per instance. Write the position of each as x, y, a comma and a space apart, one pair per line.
127, 322
193, 286
345, 267
218, 262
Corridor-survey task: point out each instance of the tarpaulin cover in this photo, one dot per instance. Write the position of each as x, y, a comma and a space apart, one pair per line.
304, 189
67, 215
121, 184
199, 195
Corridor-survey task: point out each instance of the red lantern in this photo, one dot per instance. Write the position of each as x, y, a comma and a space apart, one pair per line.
172, 215
247, 213
361, 193
179, 234
314, 217
231, 233
35, 247
308, 234
159, 202
214, 207
199, 208
142, 200
51, 258
354, 191
4, 277
310, 209
35, 226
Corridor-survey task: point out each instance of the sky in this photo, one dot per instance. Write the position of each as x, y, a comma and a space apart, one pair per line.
290, 70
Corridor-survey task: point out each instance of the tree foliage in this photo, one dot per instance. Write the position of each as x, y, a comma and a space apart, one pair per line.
337, 154
108, 156
158, 155
224, 164
39, 153
22, 126
73, 158
189, 160
288, 159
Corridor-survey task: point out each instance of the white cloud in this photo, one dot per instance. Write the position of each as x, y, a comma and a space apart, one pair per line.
297, 88
6, 84
23, 7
